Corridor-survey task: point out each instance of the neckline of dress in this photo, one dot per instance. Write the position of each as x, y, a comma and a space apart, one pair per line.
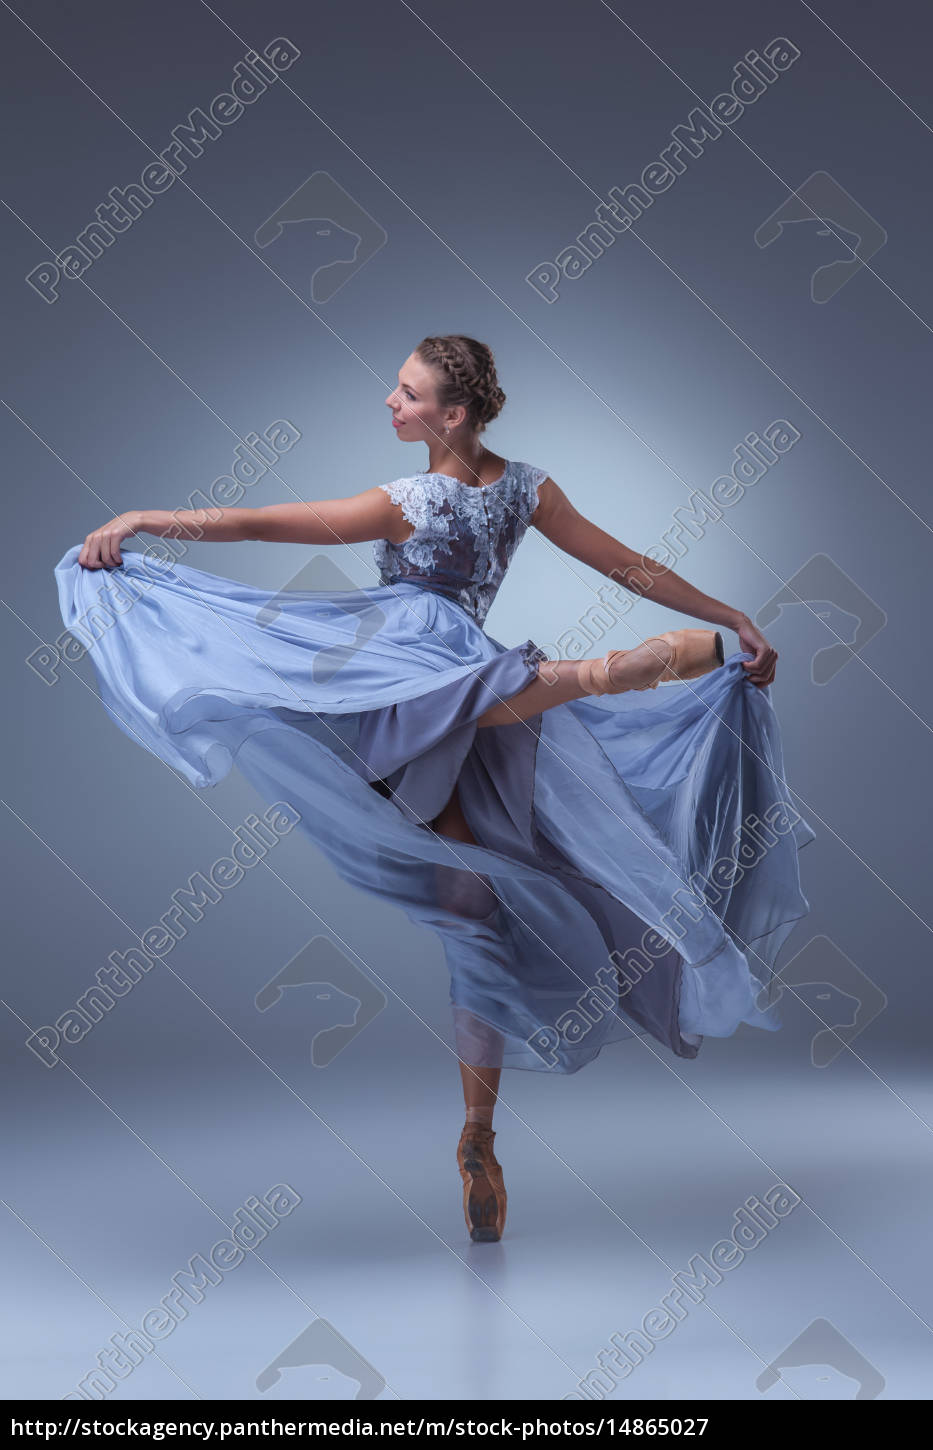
473, 487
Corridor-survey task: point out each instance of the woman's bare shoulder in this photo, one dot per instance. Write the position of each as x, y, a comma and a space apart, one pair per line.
551, 499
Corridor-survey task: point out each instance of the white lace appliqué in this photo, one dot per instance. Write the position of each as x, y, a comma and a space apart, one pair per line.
463, 537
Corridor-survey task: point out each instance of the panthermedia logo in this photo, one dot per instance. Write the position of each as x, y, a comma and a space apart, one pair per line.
326, 976
821, 588
323, 1346
827, 206
833, 991
322, 235
821, 1346
353, 617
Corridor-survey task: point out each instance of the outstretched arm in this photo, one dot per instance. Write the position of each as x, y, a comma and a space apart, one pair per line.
560, 522
367, 515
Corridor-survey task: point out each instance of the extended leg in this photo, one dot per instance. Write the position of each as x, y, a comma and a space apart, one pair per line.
559, 681
677, 655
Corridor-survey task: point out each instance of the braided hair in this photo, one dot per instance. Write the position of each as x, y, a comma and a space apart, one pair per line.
466, 372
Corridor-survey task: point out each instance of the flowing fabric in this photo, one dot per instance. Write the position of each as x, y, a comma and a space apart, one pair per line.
636, 870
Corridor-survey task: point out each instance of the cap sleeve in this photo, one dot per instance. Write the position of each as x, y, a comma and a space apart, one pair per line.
410, 495
532, 479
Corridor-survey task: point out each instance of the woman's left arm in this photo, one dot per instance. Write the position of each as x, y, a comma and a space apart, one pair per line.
559, 521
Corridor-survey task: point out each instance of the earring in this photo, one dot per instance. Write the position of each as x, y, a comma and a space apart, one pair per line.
446, 430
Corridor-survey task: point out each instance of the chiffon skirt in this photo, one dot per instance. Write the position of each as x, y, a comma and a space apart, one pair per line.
636, 866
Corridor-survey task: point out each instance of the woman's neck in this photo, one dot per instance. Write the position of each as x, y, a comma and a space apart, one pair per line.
465, 460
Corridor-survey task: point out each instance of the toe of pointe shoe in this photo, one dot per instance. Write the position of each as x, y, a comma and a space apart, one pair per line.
696, 652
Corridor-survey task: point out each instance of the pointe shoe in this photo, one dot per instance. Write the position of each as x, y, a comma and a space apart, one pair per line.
676, 655
484, 1196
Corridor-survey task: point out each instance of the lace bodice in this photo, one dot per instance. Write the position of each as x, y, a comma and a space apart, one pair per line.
464, 535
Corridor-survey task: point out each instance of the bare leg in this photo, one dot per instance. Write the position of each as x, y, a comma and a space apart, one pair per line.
559, 681
480, 1092
485, 1201
471, 896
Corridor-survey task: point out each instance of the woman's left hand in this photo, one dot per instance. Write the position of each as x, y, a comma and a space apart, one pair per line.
761, 669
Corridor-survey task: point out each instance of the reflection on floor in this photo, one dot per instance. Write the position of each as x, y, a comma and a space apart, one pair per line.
650, 1250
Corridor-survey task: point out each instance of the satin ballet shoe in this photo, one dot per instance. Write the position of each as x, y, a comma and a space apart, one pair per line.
484, 1196
676, 655
696, 652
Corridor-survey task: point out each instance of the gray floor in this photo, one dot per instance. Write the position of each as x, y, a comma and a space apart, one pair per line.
617, 1178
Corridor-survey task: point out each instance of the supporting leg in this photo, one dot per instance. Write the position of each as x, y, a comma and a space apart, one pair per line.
480, 1092
485, 1201
470, 895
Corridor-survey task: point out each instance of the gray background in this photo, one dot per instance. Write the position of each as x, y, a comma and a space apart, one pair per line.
481, 150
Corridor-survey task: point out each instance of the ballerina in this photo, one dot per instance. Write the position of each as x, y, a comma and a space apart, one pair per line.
552, 834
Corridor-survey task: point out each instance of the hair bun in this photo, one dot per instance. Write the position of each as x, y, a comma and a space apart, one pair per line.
468, 375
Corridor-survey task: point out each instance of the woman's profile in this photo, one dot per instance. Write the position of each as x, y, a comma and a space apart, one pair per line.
605, 846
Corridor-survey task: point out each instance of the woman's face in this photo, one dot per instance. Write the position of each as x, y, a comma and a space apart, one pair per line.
416, 416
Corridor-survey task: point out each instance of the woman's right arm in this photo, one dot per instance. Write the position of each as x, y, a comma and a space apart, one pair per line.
367, 515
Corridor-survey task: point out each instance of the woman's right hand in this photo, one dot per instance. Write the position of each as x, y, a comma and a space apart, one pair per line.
102, 547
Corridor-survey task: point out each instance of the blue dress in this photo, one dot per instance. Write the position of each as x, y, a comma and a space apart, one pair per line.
636, 866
